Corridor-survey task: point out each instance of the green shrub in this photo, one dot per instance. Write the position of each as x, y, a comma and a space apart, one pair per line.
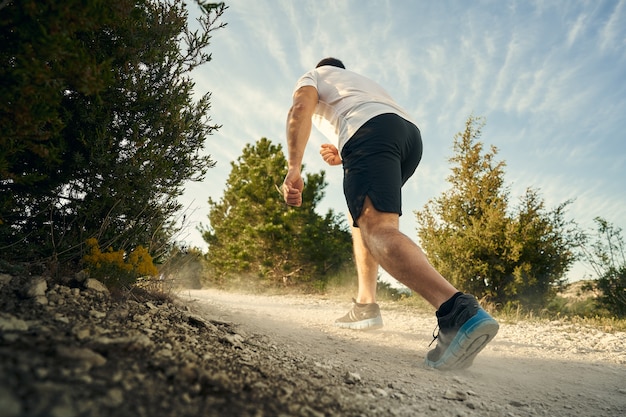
116, 269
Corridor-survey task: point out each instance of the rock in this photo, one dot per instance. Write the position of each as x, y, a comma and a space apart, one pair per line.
352, 378
199, 321
36, 288
86, 356
81, 332
95, 285
61, 318
97, 314
41, 299
4, 279
119, 313
9, 323
459, 380
81, 276
234, 340
144, 320
186, 374
131, 342
455, 395
219, 379
115, 397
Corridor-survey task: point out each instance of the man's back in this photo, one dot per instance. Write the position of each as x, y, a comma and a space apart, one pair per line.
347, 100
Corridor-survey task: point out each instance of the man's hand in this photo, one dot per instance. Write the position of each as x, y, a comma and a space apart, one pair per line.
330, 154
292, 188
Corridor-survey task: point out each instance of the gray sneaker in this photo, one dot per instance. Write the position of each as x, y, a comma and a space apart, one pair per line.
463, 333
361, 317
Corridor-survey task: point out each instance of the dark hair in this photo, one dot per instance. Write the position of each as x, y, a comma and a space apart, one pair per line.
333, 62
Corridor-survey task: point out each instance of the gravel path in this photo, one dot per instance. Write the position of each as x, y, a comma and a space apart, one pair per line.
531, 368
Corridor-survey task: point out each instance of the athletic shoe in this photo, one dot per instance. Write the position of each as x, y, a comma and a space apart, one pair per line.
361, 317
463, 333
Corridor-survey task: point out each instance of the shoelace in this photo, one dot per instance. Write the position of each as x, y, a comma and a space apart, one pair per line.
435, 335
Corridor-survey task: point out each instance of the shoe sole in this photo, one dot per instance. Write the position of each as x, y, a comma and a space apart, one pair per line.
367, 324
471, 338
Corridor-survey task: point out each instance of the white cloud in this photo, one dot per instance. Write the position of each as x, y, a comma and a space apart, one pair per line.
575, 30
612, 33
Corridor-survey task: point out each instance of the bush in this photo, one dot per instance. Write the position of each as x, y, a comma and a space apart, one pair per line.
586, 307
606, 254
116, 269
613, 287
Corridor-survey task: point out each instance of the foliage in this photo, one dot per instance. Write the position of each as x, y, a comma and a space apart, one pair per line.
560, 306
252, 231
474, 241
116, 269
607, 256
99, 130
386, 291
184, 267
543, 244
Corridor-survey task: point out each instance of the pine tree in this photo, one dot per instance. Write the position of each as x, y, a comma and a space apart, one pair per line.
481, 244
253, 232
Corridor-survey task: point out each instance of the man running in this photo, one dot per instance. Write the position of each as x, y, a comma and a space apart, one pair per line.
379, 147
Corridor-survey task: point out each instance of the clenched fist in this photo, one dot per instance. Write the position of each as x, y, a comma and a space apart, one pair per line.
330, 154
292, 188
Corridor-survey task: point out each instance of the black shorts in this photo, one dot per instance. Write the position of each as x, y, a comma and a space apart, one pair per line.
377, 160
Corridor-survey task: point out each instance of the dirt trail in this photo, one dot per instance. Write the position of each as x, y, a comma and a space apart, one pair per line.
552, 369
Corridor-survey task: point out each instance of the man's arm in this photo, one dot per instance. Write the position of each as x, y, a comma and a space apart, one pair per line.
298, 131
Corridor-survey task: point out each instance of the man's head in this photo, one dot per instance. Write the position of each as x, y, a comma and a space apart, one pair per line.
333, 62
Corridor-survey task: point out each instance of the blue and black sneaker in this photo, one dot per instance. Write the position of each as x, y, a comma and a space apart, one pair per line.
463, 333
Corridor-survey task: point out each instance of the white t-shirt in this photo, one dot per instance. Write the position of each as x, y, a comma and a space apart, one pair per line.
346, 101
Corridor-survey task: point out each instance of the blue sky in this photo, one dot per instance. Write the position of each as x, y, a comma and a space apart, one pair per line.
549, 77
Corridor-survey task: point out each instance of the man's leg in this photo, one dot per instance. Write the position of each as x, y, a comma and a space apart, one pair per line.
400, 256
366, 268
464, 327
365, 313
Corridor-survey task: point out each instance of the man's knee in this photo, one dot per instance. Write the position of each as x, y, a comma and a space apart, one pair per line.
367, 217
371, 221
